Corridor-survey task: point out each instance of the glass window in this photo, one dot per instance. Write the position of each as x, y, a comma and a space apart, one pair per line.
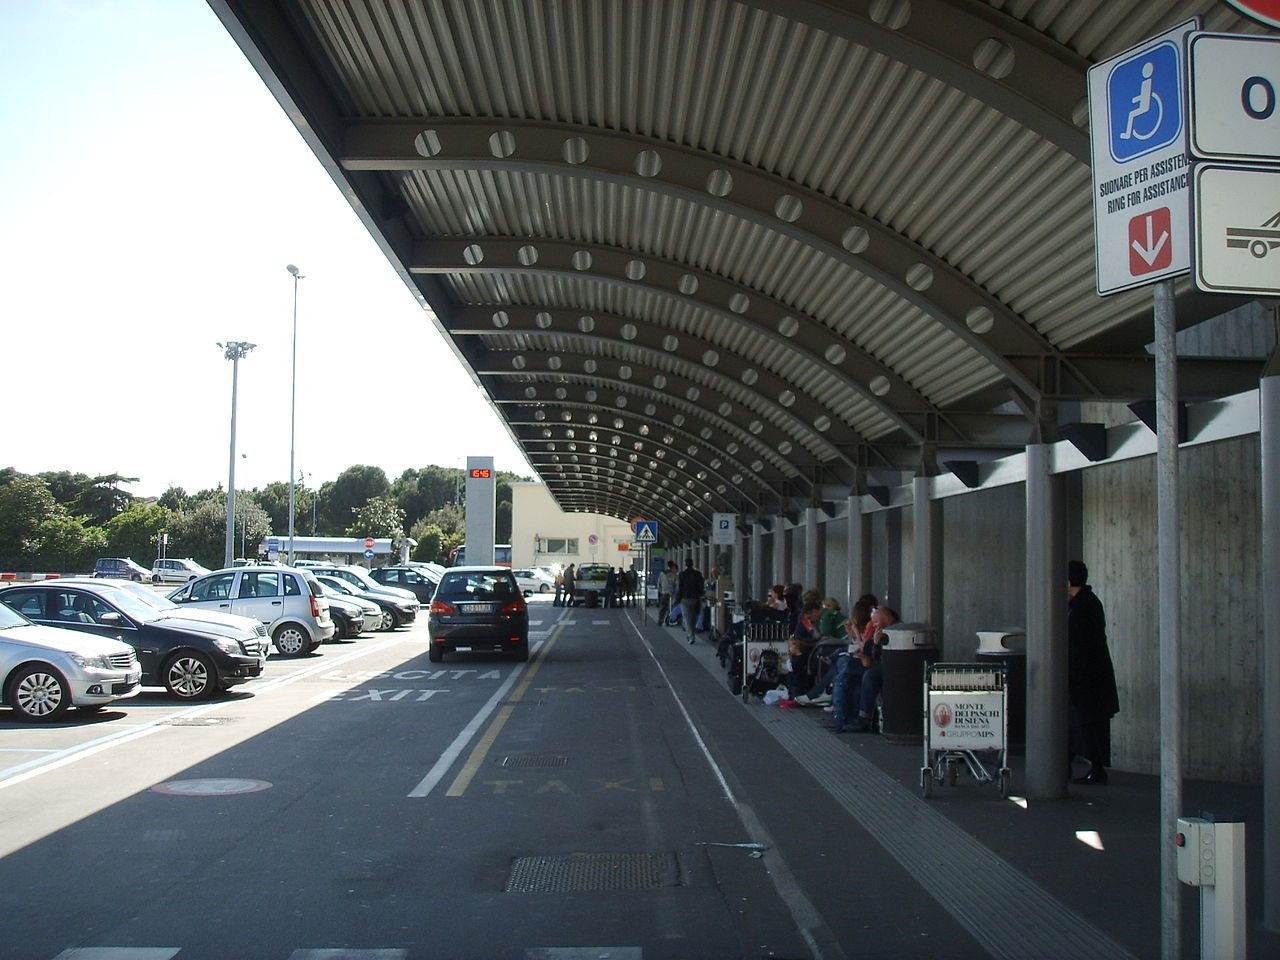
213, 588
477, 586
29, 603
560, 545
260, 584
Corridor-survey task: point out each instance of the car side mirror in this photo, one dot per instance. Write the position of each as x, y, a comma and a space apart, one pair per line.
111, 619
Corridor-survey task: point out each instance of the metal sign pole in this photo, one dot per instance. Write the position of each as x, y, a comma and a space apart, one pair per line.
1170, 592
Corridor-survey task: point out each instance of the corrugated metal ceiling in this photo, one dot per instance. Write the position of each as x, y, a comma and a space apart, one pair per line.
861, 227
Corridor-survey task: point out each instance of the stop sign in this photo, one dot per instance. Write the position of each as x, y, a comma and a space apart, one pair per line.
368, 543
1268, 11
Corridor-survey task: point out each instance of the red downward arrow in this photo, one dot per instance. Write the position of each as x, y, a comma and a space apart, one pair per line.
1150, 242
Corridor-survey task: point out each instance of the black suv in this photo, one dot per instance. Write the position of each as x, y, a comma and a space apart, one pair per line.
478, 608
413, 579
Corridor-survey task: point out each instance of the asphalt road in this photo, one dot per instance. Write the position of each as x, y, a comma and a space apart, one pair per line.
365, 803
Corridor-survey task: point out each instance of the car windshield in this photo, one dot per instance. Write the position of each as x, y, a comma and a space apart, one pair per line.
148, 596
337, 585
364, 578
479, 585
11, 618
131, 604
593, 571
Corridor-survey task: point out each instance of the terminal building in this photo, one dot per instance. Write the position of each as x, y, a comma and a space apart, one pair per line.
840, 271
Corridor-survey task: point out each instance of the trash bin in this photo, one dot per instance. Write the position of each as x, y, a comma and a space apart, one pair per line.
1008, 646
908, 648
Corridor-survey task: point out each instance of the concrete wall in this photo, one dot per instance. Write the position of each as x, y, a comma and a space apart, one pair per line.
1221, 628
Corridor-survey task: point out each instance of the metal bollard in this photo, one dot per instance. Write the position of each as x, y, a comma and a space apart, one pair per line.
1211, 856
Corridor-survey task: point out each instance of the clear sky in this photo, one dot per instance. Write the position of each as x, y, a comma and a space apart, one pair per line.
153, 194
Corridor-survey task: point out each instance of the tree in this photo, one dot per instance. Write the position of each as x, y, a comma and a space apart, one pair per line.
25, 503
175, 498
101, 499
420, 491
354, 488
430, 548
136, 532
380, 517
201, 532
67, 546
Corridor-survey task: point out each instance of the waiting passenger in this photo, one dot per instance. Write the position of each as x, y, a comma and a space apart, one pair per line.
873, 675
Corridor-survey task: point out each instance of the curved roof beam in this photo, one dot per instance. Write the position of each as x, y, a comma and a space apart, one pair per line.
683, 482
574, 483
578, 396
617, 373
627, 438
911, 272
872, 381
982, 52
784, 404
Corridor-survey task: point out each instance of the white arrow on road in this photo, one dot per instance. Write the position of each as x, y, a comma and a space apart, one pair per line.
1149, 252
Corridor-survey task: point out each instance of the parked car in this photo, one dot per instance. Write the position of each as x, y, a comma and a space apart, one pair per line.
190, 612
351, 615
192, 659
390, 608
288, 602
414, 579
44, 671
589, 584
120, 567
171, 570
478, 608
405, 611
534, 580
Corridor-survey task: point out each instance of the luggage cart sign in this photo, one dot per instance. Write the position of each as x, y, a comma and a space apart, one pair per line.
966, 721
1141, 179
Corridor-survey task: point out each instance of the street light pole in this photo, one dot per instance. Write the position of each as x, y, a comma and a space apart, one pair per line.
293, 402
233, 350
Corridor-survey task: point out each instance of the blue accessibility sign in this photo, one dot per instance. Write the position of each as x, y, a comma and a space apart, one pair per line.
1144, 101
646, 531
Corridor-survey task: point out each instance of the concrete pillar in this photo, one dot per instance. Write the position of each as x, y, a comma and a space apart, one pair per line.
739, 573
779, 572
890, 591
1046, 590
926, 554
813, 565
758, 588
1270, 416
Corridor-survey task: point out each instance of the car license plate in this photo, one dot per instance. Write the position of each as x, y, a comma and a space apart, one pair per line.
477, 608
461, 649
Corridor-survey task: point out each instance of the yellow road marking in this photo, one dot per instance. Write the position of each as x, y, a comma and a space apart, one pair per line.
481, 750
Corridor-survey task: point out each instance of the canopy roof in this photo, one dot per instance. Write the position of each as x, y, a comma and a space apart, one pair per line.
740, 255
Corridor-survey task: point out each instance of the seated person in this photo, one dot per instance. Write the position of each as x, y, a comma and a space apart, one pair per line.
832, 661
873, 675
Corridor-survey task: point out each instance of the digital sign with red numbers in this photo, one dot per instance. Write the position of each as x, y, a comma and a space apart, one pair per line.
481, 473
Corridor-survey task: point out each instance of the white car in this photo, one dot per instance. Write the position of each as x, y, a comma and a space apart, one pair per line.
173, 570
289, 602
534, 580
45, 671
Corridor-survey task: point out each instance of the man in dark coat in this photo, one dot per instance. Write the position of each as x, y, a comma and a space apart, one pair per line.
1091, 678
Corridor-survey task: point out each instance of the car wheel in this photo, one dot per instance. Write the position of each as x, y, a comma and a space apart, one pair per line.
39, 694
388, 620
155, 578
544, 589
136, 578
435, 653
522, 652
190, 676
291, 640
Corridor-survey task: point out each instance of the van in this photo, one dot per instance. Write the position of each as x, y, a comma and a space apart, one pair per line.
120, 568
171, 570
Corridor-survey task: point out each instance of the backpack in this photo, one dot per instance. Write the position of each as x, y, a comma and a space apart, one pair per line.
768, 672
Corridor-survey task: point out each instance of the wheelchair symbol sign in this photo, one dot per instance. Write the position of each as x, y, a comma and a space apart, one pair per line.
1144, 102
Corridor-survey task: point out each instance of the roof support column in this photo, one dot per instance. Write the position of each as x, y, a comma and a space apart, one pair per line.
757, 588
926, 553
859, 544
815, 563
1046, 756
1270, 416
779, 573
739, 570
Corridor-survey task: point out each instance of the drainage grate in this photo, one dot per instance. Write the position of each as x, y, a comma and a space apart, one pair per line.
534, 760
196, 721
593, 871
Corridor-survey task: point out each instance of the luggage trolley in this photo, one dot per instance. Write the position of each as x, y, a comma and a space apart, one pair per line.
964, 716
756, 638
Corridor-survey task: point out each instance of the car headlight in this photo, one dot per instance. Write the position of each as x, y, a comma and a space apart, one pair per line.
91, 663
229, 647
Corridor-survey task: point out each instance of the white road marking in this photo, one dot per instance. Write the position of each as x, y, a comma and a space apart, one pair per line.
119, 953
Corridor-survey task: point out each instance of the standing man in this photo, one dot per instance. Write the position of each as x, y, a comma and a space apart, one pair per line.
570, 575
690, 588
666, 592
559, 600
1091, 677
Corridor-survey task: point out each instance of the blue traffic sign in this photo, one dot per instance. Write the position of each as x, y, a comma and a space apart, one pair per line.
368, 554
1144, 102
646, 531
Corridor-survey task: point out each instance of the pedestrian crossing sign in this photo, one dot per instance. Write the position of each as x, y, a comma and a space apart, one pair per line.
646, 531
